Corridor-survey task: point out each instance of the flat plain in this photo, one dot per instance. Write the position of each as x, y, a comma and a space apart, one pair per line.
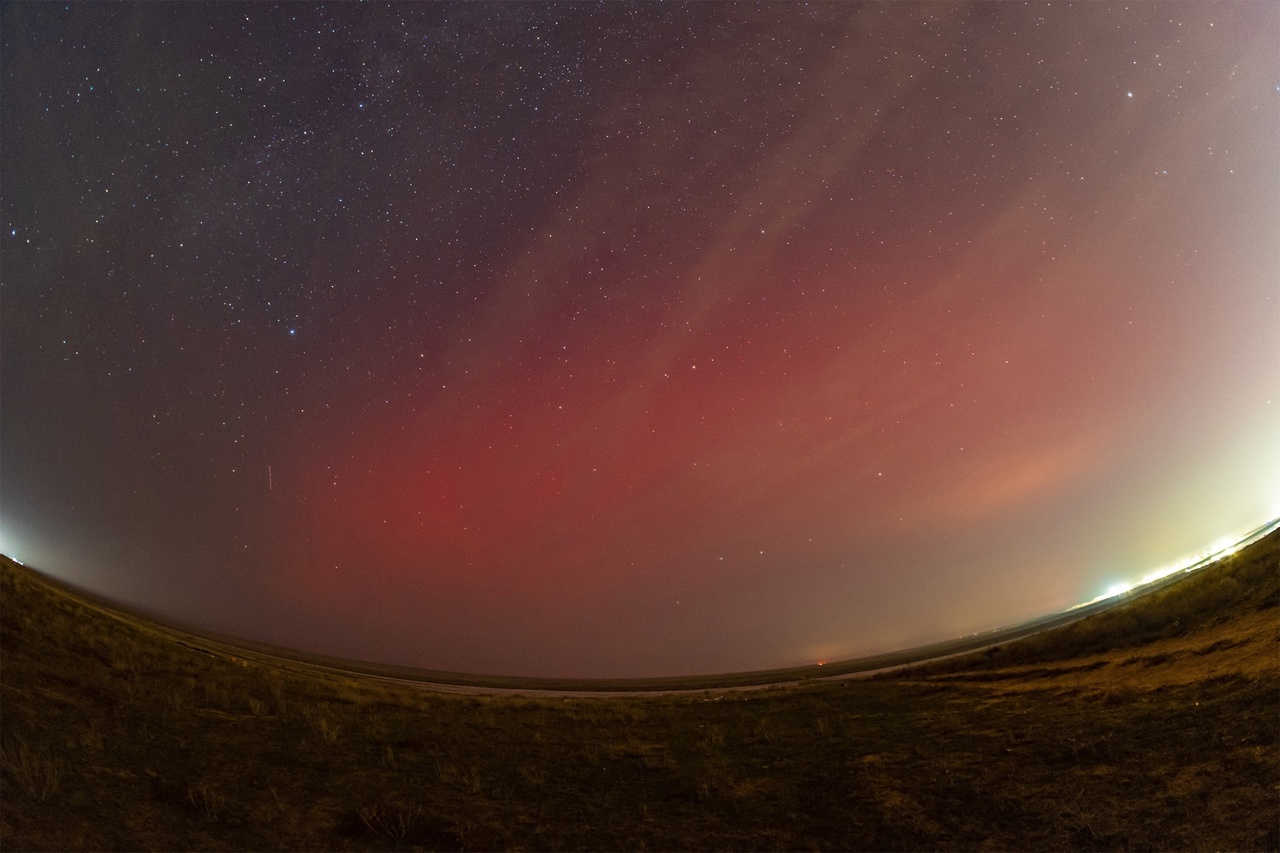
1154, 725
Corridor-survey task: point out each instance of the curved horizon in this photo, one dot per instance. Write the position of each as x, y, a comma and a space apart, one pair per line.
597, 342
500, 683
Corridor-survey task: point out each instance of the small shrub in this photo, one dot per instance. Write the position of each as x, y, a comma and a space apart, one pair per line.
34, 771
318, 720
712, 739
716, 780
215, 694
278, 696
179, 699
469, 780
394, 820
764, 730
326, 728
207, 800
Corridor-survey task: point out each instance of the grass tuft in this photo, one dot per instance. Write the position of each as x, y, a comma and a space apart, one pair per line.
33, 770
207, 800
391, 820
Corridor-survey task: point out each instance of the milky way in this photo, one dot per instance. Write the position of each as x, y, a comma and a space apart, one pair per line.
634, 339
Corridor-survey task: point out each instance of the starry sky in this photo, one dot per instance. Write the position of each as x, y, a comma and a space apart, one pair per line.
634, 339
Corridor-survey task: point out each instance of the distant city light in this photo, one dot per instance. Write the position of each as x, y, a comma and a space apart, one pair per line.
1221, 549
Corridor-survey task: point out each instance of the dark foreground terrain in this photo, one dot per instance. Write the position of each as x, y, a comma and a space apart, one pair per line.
1151, 726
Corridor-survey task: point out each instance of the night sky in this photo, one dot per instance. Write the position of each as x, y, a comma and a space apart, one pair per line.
600, 340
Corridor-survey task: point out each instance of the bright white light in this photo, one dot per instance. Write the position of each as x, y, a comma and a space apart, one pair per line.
1116, 589
1223, 544
1220, 550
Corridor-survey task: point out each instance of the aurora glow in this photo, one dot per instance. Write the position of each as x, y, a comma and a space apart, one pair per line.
634, 339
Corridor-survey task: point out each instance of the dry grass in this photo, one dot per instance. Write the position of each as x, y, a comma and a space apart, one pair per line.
35, 773
1153, 728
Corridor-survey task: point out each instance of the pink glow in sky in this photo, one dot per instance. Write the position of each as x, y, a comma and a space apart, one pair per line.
635, 341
